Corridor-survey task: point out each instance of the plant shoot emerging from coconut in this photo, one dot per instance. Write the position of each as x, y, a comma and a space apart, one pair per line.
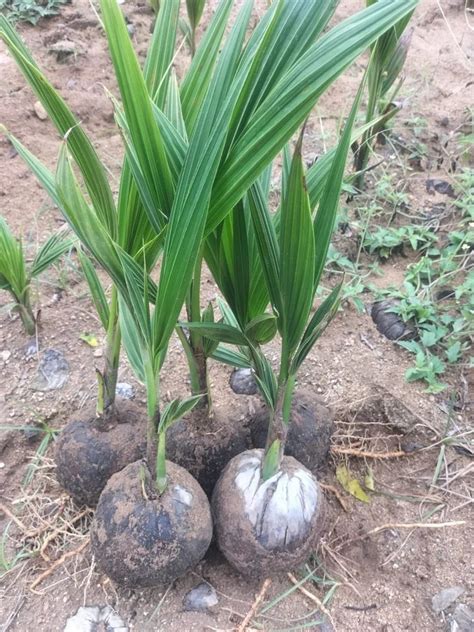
16, 275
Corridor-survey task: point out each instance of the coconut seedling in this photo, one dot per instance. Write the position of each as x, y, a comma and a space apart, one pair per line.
270, 59
16, 275
105, 438
268, 508
153, 520
194, 9
200, 204
384, 82
282, 70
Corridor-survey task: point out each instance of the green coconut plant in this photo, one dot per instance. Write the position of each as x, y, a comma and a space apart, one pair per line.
17, 275
187, 179
272, 498
389, 54
103, 440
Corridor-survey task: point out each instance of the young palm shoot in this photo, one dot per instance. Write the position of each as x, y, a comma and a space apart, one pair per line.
195, 10
388, 57
166, 507
272, 498
16, 275
89, 450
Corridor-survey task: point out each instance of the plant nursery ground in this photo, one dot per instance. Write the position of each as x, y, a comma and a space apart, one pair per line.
405, 533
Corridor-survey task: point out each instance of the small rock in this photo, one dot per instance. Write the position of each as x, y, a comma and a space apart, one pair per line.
463, 619
388, 323
440, 186
201, 597
131, 29
98, 353
4, 355
89, 618
242, 382
40, 111
31, 348
445, 598
53, 371
125, 390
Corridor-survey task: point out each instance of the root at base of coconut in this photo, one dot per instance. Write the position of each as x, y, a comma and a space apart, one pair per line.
88, 452
310, 432
204, 444
266, 527
141, 539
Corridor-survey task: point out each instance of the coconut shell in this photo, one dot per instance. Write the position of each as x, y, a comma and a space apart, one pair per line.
266, 527
89, 451
309, 434
142, 539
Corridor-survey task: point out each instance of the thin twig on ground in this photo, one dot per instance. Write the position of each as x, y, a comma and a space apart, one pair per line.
366, 454
58, 563
314, 598
258, 600
334, 490
13, 518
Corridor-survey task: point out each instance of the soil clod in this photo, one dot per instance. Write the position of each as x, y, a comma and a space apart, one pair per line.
388, 323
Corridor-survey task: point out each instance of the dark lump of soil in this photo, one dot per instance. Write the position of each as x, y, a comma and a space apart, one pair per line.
90, 450
310, 432
147, 541
267, 527
203, 444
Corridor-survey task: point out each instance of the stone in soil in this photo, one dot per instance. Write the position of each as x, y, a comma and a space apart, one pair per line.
310, 432
242, 382
142, 539
200, 598
90, 450
267, 527
89, 618
125, 390
390, 324
445, 598
463, 618
52, 372
440, 186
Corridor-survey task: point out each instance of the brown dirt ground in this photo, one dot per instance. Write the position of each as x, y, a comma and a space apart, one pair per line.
386, 579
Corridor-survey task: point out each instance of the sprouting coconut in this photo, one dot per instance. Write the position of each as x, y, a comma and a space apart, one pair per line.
102, 442
209, 437
90, 450
268, 509
141, 537
264, 526
153, 520
309, 434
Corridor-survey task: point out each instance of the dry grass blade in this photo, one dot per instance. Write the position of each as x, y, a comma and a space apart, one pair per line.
258, 600
58, 563
310, 595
